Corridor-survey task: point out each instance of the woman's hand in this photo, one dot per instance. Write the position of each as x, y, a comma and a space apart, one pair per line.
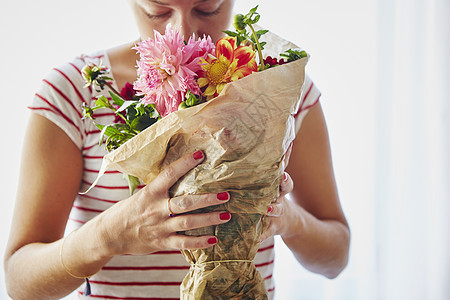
282, 214
278, 221
312, 224
142, 223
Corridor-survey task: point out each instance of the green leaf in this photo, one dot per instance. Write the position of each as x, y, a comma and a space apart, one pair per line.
107, 78
123, 128
192, 99
125, 105
140, 109
238, 40
254, 9
261, 32
292, 55
142, 122
230, 33
182, 105
102, 101
131, 113
133, 182
123, 134
150, 110
155, 115
109, 130
87, 112
99, 126
116, 99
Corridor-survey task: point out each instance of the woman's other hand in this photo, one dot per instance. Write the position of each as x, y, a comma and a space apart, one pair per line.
312, 223
282, 214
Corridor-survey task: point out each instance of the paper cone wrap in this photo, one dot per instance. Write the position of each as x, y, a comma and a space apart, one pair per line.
245, 133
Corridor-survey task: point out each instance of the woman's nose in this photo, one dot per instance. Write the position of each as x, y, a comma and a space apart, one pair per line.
187, 25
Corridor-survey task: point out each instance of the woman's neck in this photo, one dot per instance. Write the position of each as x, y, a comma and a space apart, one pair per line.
123, 63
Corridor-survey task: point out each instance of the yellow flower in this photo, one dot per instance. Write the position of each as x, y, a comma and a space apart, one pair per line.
231, 63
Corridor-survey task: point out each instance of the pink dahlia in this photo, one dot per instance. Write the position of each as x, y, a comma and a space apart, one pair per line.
167, 68
196, 50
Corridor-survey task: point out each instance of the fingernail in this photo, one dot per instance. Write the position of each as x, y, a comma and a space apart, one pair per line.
284, 176
212, 241
269, 209
198, 155
225, 216
223, 196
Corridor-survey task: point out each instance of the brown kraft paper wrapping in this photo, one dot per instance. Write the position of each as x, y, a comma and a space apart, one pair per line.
245, 133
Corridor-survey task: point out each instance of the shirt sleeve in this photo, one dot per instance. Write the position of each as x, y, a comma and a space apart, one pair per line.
310, 97
60, 98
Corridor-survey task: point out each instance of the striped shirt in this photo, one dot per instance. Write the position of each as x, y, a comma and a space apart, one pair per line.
154, 276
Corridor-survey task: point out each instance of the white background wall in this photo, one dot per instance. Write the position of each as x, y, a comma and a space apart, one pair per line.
339, 35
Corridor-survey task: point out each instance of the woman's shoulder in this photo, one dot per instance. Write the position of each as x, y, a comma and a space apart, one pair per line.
68, 78
74, 66
99, 58
62, 94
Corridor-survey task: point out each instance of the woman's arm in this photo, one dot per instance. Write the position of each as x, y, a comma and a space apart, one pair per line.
51, 174
313, 225
50, 177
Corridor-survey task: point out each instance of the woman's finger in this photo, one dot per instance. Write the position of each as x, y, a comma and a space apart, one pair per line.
286, 185
275, 210
186, 203
270, 231
178, 241
193, 221
177, 169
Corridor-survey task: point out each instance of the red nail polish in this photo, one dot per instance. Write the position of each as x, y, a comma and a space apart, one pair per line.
198, 155
212, 241
284, 176
225, 216
223, 196
269, 209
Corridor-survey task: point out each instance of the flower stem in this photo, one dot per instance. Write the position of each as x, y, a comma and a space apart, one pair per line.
258, 46
123, 117
126, 121
112, 88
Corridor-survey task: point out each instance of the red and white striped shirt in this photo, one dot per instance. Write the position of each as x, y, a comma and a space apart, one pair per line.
155, 276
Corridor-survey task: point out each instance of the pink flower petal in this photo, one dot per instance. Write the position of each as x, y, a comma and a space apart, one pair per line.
168, 68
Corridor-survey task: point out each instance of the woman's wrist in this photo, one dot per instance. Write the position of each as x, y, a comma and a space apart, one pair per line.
295, 222
103, 241
85, 251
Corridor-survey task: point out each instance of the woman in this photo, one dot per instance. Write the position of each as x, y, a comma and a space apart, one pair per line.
130, 243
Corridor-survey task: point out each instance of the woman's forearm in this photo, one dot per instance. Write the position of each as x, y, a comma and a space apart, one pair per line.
35, 271
321, 246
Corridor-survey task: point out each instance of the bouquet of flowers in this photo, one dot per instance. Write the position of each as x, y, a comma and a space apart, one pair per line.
240, 114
